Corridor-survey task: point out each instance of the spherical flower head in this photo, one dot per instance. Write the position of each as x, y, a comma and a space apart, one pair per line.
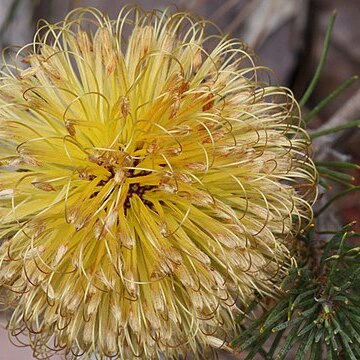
151, 185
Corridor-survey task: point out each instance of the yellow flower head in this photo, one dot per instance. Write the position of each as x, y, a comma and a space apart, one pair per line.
150, 185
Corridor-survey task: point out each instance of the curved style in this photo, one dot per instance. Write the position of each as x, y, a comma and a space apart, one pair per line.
151, 185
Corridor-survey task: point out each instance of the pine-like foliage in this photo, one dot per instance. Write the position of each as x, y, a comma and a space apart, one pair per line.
319, 318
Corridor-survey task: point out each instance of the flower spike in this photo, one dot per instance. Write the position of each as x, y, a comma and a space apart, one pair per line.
151, 185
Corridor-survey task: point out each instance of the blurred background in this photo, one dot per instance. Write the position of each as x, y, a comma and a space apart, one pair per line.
287, 36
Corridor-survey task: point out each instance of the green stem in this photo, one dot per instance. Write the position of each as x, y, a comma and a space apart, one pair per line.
329, 98
336, 174
337, 164
349, 125
321, 64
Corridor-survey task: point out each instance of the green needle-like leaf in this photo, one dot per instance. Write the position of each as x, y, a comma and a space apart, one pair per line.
301, 297
315, 353
349, 125
307, 328
336, 175
275, 344
337, 164
305, 346
321, 64
291, 339
329, 98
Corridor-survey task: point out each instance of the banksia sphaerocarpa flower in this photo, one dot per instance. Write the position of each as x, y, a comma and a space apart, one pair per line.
149, 187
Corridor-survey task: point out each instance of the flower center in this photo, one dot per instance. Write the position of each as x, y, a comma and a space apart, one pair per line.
137, 189
118, 167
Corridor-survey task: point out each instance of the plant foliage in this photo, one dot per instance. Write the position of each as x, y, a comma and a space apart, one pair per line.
320, 314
